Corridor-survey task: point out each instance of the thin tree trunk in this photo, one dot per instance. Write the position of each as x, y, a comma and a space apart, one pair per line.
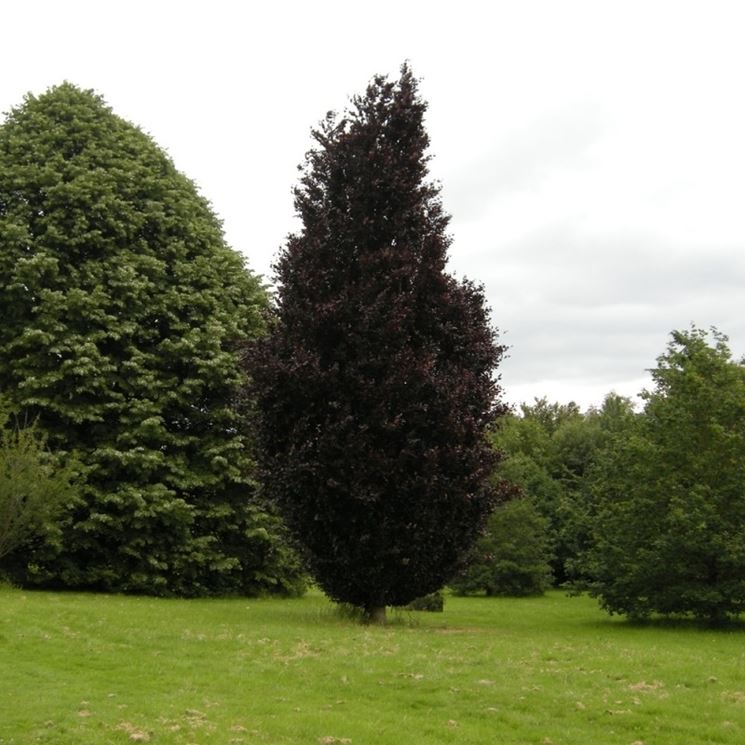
376, 615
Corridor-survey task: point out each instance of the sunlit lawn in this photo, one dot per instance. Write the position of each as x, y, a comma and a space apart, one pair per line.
78, 668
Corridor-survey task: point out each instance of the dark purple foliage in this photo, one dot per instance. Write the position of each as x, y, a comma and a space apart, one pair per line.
376, 384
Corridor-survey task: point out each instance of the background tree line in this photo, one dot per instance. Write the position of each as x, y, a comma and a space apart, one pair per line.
645, 510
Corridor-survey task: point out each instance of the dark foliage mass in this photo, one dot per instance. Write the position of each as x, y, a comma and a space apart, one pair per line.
123, 311
376, 384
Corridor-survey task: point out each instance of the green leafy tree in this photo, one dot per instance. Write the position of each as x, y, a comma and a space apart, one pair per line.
512, 557
532, 463
376, 385
669, 534
123, 315
550, 451
550, 415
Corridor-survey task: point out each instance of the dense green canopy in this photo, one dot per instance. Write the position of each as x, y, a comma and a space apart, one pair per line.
122, 312
669, 534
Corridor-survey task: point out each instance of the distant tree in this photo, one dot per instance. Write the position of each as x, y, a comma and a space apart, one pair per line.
580, 448
670, 528
34, 486
533, 463
550, 451
615, 414
512, 557
123, 316
550, 415
376, 384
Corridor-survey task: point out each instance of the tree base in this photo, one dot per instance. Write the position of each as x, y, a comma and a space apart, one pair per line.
376, 615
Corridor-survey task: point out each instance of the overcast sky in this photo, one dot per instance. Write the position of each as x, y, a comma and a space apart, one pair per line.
592, 154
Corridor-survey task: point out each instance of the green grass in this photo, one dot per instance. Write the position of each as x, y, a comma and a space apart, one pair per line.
78, 668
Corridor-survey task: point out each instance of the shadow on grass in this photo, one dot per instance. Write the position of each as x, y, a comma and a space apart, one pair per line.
345, 613
670, 623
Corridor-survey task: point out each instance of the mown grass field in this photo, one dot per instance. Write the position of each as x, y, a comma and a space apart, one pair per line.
78, 668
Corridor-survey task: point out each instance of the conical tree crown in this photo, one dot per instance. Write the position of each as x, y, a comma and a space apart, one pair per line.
123, 310
376, 384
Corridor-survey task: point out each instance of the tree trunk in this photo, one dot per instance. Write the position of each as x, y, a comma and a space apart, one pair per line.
376, 615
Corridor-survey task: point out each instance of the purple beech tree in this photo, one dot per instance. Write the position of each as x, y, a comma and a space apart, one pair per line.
376, 383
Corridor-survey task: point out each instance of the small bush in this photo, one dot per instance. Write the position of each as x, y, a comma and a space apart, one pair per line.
350, 612
33, 486
434, 603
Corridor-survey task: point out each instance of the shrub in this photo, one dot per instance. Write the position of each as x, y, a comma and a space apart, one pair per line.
34, 487
434, 603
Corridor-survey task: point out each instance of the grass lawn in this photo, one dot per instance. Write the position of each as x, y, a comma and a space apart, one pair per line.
78, 668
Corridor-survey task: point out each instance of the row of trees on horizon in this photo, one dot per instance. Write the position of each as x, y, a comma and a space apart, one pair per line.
167, 427
643, 509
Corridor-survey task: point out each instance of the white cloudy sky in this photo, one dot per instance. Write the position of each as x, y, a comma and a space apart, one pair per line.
592, 154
